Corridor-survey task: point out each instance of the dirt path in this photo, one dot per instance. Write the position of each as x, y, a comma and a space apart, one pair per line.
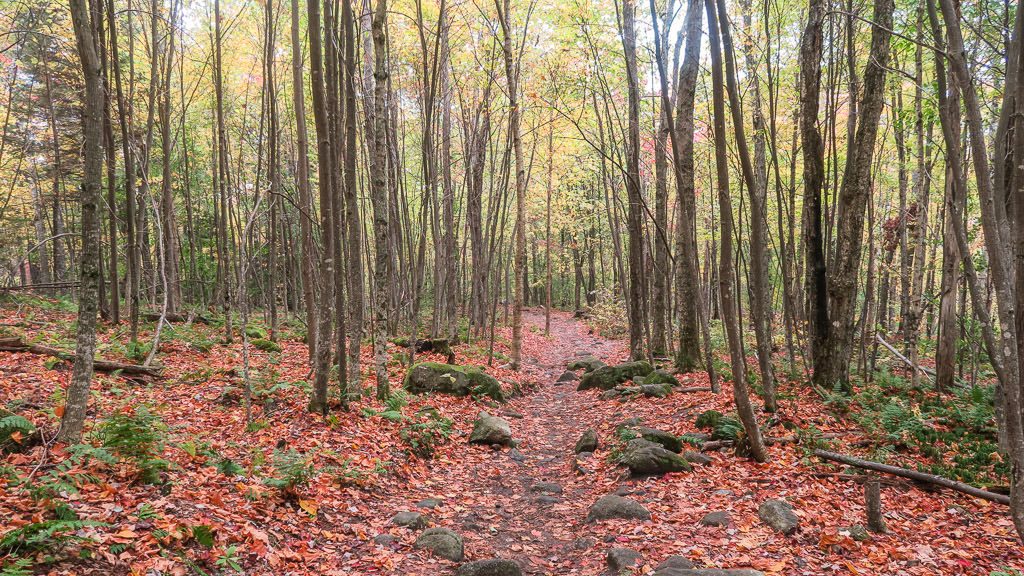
526, 503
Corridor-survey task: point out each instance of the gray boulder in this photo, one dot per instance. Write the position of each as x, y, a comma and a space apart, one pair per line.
697, 458
429, 503
412, 520
667, 440
438, 378
720, 518
619, 559
547, 488
586, 363
608, 377
672, 566
441, 542
660, 377
491, 430
779, 515
568, 376
587, 441
612, 506
493, 567
644, 458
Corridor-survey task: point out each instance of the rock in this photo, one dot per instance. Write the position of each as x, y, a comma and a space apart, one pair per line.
587, 441
516, 455
568, 376
586, 363
667, 440
439, 378
429, 503
602, 378
385, 539
412, 520
779, 515
859, 533
620, 559
617, 392
706, 572
697, 458
608, 377
655, 390
720, 518
660, 377
441, 542
644, 457
672, 566
493, 567
491, 430
547, 500
547, 488
578, 462
608, 507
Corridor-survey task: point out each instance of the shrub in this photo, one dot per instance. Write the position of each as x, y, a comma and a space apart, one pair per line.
266, 345
292, 470
137, 437
423, 437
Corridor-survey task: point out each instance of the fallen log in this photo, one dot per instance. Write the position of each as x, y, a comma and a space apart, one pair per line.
176, 317
914, 475
692, 389
768, 440
15, 344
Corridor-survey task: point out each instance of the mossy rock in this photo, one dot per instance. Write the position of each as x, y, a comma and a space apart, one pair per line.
266, 345
608, 377
659, 377
438, 378
645, 458
587, 364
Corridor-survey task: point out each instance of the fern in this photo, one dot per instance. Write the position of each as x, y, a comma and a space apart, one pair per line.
20, 567
138, 438
727, 429
292, 470
46, 535
708, 419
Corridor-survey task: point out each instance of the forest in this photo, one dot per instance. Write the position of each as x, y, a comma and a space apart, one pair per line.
582, 287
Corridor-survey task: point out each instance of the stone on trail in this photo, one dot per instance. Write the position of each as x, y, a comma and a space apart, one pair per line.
611, 506
441, 542
547, 500
719, 518
708, 572
568, 376
578, 462
491, 430
587, 441
493, 567
586, 363
779, 515
429, 503
644, 458
411, 520
620, 559
547, 488
672, 565
667, 440
385, 540
450, 379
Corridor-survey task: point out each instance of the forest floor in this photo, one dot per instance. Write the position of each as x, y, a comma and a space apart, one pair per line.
209, 517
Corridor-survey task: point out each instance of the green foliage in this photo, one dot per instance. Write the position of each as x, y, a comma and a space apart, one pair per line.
228, 467
727, 428
255, 332
266, 345
708, 419
48, 536
137, 351
203, 535
292, 470
14, 424
19, 567
229, 559
422, 437
67, 476
137, 437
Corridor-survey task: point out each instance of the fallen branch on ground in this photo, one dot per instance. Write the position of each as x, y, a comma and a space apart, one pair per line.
17, 345
914, 475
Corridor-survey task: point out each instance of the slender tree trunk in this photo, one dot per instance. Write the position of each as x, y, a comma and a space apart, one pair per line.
77, 402
726, 274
